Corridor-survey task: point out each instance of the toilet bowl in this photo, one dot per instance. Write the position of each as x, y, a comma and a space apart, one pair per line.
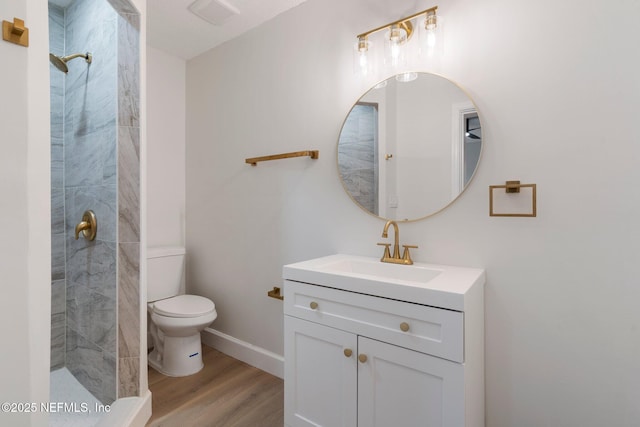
175, 319
175, 328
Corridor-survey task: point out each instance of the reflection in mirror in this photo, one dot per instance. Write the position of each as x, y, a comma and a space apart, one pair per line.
408, 149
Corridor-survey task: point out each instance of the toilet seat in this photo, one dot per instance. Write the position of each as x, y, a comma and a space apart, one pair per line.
184, 306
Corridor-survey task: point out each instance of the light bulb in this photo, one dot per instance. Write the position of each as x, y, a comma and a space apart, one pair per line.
396, 37
431, 27
361, 62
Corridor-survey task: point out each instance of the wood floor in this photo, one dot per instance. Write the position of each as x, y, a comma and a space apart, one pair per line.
226, 393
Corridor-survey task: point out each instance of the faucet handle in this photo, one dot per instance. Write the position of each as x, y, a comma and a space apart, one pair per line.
387, 252
406, 257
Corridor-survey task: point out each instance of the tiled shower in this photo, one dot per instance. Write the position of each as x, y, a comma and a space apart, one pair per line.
95, 133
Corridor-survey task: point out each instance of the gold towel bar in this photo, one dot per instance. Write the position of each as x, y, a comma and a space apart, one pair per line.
311, 153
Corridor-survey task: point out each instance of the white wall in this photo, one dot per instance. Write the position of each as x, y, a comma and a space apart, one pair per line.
558, 92
25, 305
166, 149
25, 219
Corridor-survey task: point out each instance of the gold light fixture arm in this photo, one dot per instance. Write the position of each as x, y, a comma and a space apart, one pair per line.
400, 22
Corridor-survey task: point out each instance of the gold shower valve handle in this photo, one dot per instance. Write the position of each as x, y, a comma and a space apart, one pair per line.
88, 226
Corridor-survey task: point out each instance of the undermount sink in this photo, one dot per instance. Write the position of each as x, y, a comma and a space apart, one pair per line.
374, 268
441, 285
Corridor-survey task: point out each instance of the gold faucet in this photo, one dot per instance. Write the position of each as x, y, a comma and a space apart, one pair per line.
396, 259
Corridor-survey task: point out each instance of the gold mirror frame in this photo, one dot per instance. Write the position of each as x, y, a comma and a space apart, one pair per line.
380, 158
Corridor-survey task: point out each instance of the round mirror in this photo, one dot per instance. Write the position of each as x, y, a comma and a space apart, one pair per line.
409, 146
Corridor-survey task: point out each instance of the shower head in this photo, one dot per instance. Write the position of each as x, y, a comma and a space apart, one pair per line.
61, 62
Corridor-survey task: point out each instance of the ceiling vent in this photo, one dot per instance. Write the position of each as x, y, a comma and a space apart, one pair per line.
215, 12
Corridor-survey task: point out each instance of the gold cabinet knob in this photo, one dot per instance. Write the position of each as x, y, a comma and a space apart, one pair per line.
313, 305
362, 358
404, 326
348, 352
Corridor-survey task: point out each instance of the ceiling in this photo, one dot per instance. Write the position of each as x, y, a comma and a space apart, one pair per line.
172, 28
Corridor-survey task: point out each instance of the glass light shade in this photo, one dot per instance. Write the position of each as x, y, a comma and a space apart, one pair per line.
395, 40
431, 35
363, 57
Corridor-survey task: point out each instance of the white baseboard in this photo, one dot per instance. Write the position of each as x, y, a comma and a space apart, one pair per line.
248, 353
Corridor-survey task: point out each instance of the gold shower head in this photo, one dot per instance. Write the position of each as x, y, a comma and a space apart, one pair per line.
61, 62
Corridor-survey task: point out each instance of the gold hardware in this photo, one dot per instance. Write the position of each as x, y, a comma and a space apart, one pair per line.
313, 305
387, 253
362, 358
406, 256
402, 23
388, 156
395, 259
253, 161
348, 352
15, 32
404, 327
275, 293
88, 226
513, 187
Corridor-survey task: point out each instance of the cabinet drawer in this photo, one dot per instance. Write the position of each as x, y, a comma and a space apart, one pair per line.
430, 330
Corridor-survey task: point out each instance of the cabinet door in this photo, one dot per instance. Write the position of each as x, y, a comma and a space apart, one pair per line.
403, 388
320, 381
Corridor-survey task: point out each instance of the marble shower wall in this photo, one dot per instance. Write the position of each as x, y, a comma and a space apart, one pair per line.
58, 283
90, 138
358, 158
128, 200
95, 144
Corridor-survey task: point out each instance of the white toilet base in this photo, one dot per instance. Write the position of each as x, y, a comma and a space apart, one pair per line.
181, 356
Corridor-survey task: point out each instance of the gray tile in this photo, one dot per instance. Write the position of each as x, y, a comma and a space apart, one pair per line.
57, 210
85, 362
92, 315
129, 299
128, 185
92, 264
129, 374
128, 73
58, 297
57, 162
109, 387
58, 270
83, 159
57, 358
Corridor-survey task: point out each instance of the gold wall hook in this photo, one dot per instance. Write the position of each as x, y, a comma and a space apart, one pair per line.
88, 226
15, 32
275, 293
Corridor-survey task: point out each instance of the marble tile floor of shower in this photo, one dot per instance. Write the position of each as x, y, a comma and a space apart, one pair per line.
226, 393
72, 404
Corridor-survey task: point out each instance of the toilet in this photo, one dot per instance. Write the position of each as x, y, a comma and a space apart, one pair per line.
175, 319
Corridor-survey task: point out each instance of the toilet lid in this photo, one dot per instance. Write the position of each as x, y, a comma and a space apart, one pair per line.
184, 306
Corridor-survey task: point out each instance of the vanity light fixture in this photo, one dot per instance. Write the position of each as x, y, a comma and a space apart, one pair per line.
396, 40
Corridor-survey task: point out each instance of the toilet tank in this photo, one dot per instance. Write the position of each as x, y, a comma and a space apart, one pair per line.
165, 272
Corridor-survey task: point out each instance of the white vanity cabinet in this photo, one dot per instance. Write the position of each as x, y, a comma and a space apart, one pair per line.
361, 359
